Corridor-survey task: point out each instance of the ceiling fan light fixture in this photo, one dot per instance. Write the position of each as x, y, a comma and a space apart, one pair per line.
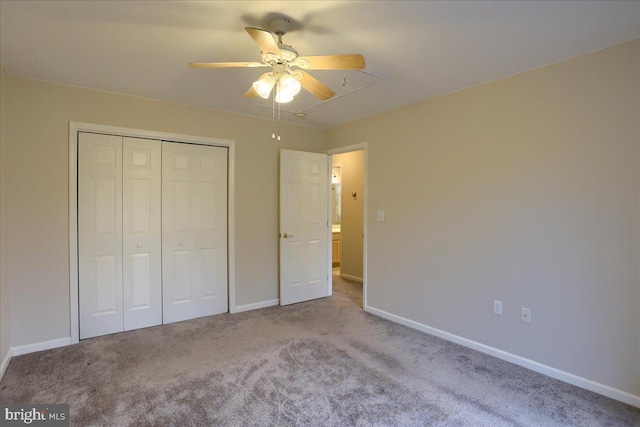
263, 85
287, 88
282, 97
289, 84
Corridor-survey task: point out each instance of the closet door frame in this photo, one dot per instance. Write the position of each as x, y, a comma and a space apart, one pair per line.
77, 127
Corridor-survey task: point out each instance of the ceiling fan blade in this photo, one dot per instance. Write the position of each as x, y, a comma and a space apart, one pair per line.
251, 93
353, 61
314, 86
264, 39
226, 64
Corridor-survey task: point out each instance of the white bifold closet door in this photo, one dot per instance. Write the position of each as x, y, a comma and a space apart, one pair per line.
119, 232
194, 231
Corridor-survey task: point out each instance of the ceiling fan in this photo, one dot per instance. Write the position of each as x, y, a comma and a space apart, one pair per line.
282, 58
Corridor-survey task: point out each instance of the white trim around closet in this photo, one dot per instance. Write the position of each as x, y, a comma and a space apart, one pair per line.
74, 128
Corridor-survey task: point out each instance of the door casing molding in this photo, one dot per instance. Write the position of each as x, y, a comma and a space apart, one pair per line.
74, 128
346, 149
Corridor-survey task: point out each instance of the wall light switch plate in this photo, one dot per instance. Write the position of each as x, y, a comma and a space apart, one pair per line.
380, 216
526, 315
497, 307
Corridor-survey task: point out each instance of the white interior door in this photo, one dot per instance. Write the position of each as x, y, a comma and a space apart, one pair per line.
194, 231
100, 234
141, 244
304, 222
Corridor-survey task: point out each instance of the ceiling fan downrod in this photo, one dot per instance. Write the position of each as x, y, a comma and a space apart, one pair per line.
279, 26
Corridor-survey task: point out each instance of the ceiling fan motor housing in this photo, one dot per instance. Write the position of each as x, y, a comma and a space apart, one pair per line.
287, 54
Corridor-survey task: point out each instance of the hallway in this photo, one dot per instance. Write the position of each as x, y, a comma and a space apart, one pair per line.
347, 288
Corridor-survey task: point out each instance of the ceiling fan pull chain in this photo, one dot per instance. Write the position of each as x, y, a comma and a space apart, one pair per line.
278, 124
276, 127
273, 104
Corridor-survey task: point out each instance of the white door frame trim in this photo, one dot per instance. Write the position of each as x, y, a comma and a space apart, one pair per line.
74, 128
346, 149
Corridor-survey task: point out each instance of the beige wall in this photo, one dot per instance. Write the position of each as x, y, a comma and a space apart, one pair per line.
4, 295
35, 186
527, 190
352, 225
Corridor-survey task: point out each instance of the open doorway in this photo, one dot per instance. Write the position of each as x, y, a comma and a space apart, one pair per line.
348, 223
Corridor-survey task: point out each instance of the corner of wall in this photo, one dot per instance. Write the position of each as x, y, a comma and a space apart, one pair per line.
5, 344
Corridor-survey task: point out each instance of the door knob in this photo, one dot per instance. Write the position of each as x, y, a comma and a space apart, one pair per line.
180, 243
139, 245
285, 235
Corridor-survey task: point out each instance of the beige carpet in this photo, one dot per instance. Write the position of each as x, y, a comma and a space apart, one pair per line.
347, 288
319, 363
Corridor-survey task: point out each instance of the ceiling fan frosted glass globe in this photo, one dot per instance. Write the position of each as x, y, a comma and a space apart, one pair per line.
288, 87
264, 85
289, 84
283, 97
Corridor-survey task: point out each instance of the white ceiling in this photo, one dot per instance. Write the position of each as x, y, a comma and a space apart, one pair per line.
414, 50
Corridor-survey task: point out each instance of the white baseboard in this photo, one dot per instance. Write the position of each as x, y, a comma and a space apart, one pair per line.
39, 346
256, 305
5, 363
605, 390
350, 277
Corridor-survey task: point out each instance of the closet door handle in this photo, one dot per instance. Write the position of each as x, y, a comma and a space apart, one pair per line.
181, 243
139, 245
285, 235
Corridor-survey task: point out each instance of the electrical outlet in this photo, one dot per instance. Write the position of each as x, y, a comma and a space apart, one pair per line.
497, 307
526, 315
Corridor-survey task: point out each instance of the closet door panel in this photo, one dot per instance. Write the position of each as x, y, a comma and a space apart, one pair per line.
212, 238
142, 231
178, 233
194, 239
100, 234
